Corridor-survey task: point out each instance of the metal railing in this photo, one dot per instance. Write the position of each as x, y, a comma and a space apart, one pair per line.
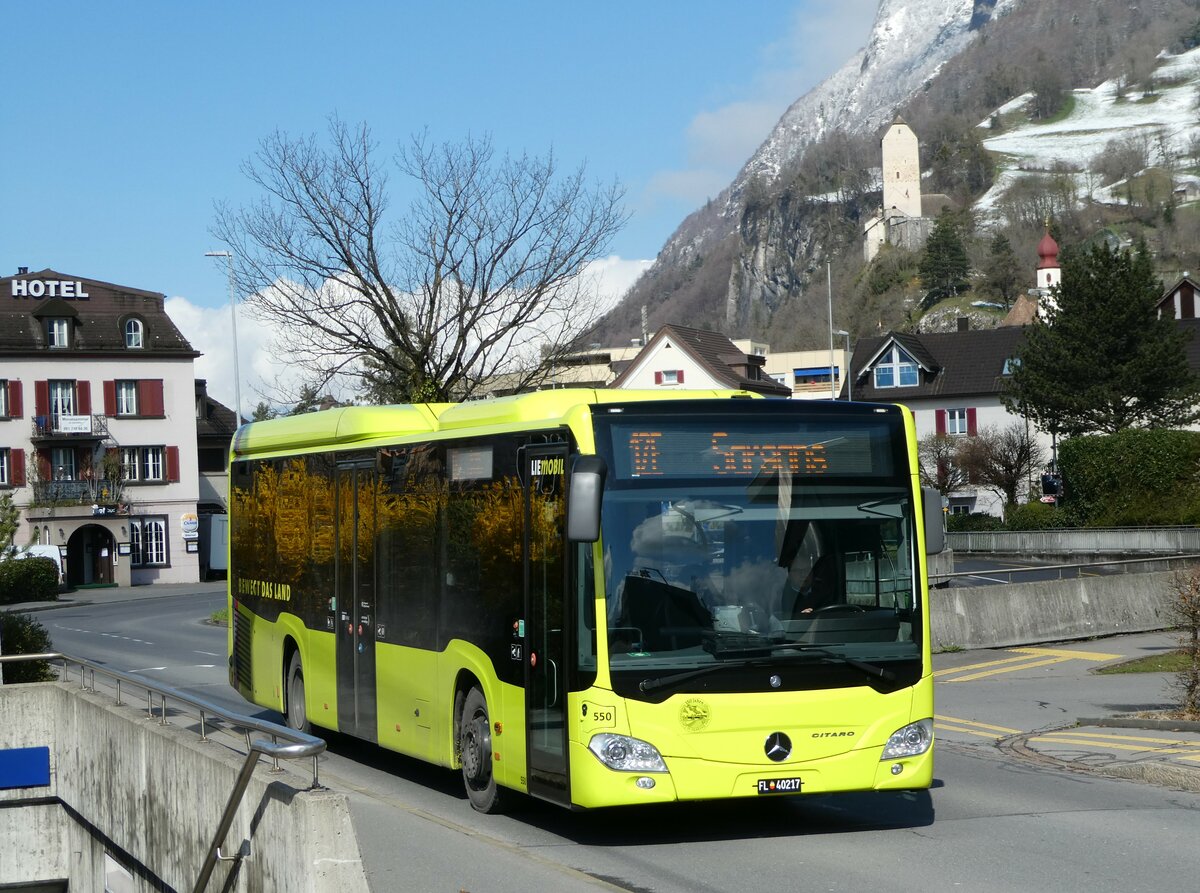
102, 492
298, 747
1065, 570
1110, 540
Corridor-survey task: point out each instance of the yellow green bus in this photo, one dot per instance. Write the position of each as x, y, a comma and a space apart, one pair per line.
597, 598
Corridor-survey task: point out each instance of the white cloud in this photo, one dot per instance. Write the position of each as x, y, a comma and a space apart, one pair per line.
614, 276
264, 374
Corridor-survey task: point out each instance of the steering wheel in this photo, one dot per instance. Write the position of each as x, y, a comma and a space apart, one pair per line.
840, 608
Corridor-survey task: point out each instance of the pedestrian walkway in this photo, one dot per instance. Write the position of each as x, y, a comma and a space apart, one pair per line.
75, 598
1047, 704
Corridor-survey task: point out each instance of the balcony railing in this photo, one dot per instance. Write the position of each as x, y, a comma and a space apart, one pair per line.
105, 495
70, 427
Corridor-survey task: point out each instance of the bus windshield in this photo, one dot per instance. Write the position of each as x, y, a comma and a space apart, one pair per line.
777, 563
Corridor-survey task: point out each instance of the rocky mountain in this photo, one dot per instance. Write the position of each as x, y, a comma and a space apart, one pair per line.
762, 258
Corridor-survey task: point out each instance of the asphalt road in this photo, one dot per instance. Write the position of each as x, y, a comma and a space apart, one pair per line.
992, 822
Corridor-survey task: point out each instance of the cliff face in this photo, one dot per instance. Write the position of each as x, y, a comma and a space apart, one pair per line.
775, 245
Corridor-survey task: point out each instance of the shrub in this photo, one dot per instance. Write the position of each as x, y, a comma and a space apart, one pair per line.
1185, 612
1038, 516
21, 634
972, 522
1133, 477
28, 580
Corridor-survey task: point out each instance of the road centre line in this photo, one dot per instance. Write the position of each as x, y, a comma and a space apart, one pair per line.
984, 665
1028, 665
991, 736
978, 725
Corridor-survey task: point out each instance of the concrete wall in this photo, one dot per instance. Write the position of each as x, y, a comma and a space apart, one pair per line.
1123, 541
1025, 613
150, 797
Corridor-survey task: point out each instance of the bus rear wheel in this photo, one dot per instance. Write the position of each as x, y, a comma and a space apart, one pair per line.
475, 752
296, 707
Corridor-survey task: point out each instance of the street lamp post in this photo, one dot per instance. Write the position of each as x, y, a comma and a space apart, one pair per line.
849, 379
829, 291
237, 378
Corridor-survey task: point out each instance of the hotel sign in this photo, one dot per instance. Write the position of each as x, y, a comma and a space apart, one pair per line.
71, 290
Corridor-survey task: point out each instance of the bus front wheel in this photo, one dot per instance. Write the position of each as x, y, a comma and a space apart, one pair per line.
475, 751
296, 706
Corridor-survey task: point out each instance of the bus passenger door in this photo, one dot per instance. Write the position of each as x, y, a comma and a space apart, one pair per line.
546, 668
355, 576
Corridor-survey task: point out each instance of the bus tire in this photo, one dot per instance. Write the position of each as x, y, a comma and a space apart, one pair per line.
295, 706
475, 751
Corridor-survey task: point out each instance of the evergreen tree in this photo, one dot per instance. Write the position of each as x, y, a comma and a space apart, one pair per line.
1003, 271
944, 264
1103, 361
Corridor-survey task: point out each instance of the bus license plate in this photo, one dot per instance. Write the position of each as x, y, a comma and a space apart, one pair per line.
779, 785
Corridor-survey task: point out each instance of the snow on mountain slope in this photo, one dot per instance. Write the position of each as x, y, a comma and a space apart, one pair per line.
1099, 116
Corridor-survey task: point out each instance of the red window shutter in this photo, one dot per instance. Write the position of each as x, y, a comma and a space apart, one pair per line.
150, 398
83, 396
44, 470
16, 467
658, 378
41, 398
679, 377
971, 427
15, 410
172, 464
940, 424
110, 398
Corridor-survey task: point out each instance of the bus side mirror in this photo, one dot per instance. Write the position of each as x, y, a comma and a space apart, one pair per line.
935, 533
585, 495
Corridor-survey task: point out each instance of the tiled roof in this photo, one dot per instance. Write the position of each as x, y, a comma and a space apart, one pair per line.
965, 363
716, 353
99, 320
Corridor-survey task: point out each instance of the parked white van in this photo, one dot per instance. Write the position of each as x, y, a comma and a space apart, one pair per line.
38, 551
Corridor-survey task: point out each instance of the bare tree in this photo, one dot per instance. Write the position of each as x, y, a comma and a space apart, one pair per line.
939, 465
482, 279
1002, 459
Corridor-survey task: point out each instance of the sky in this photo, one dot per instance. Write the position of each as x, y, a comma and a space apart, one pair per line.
126, 122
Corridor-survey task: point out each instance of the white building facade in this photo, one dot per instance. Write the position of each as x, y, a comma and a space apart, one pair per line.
98, 436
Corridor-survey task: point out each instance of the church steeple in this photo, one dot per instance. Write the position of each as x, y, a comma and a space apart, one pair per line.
1049, 274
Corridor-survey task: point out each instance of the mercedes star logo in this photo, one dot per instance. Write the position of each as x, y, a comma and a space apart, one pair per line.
778, 747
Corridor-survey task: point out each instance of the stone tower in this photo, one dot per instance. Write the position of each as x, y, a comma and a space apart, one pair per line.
901, 170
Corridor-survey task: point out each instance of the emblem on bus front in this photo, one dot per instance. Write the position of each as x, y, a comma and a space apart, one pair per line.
694, 714
778, 747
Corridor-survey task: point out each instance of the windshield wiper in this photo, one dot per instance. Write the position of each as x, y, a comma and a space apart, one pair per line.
744, 647
649, 685
761, 657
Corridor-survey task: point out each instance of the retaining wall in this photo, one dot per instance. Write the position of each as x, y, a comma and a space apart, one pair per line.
150, 797
1050, 611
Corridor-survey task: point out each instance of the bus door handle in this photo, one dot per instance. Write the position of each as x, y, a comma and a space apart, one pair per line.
552, 680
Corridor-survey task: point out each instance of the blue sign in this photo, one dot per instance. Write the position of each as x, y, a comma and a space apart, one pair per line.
24, 767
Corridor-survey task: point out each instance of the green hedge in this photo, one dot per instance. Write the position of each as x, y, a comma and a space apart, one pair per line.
21, 634
28, 580
973, 522
1132, 478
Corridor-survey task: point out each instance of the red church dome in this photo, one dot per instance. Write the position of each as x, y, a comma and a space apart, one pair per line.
1047, 250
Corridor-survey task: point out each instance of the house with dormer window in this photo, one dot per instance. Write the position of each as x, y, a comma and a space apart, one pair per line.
98, 428
951, 381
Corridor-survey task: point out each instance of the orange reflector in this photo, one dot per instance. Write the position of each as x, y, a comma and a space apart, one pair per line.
499, 727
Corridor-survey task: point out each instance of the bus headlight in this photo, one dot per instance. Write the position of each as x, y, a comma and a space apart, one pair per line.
911, 741
626, 754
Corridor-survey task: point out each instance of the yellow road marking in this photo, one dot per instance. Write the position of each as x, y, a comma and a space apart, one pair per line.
988, 735
1009, 664
978, 725
1028, 665
990, 663
1065, 652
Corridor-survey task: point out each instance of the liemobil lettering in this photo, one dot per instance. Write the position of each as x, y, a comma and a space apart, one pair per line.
833, 734
554, 466
263, 589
